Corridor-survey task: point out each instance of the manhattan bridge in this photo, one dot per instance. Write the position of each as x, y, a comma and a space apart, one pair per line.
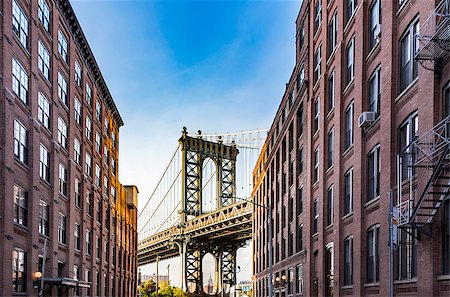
201, 205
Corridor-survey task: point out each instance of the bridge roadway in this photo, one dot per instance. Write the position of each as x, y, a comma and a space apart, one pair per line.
229, 224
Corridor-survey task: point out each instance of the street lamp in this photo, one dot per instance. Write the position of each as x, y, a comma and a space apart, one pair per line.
269, 217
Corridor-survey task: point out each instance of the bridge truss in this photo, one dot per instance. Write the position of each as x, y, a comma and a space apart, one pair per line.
194, 211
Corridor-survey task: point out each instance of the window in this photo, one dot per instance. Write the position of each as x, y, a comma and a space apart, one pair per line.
62, 133
113, 139
446, 237
62, 180
373, 173
299, 272
105, 154
317, 15
88, 242
77, 74
77, 193
299, 238
19, 270
88, 278
20, 206
331, 92
98, 110
88, 94
375, 23
316, 115
43, 60
76, 273
62, 46
350, 55
44, 15
348, 261
98, 142
351, 7
330, 146
329, 269
44, 213
76, 234
106, 123
20, 142
409, 45
77, 151
300, 80
332, 33
372, 254
44, 163
300, 120
98, 247
88, 168
77, 108
19, 81
89, 204
20, 24
348, 192
113, 193
407, 133
375, 92
62, 229
407, 255
105, 185
43, 110
88, 128
348, 141
317, 64
113, 166
291, 280
330, 206
301, 37
316, 165
300, 160
316, 216
62, 89
97, 175
300, 201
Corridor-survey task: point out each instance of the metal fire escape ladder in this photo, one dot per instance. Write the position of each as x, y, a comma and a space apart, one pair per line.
430, 156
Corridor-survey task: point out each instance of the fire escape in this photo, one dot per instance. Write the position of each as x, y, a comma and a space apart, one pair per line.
423, 174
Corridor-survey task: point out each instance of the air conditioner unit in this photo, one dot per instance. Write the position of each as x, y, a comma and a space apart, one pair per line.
367, 118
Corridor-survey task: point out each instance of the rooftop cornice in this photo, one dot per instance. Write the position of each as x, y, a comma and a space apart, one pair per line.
66, 10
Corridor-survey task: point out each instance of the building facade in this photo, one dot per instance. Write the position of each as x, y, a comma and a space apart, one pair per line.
63, 211
360, 116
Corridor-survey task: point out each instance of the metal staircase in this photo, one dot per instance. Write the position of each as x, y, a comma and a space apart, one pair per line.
426, 160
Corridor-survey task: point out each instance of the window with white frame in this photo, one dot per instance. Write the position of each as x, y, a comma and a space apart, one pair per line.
98, 142
88, 242
77, 192
113, 166
316, 166
375, 91
19, 270
407, 133
375, 23
330, 148
105, 185
106, 126
19, 81
350, 9
62, 180
62, 227
20, 206
44, 163
317, 64
43, 110
98, 110
373, 173
88, 94
97, 175
43, 60
20, 24
113, 139
77, 236
348, 261
317, 15
62, 89
330, 206
77, 151
88, 163
330, 92
44, 15
409, 46
44, 217
316, 115
348, 192
316, 216
350, 56
62, 133
299, 286
77, 73
348, 140
88, 128
63, 46
332, 33
77, 109
20, 142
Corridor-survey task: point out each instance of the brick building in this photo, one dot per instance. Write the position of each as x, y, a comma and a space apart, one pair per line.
59, 139
368, 85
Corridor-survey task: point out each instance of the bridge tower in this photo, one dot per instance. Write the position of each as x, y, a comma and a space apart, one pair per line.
194, 152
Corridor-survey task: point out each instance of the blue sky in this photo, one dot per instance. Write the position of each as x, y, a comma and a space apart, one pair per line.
216, 66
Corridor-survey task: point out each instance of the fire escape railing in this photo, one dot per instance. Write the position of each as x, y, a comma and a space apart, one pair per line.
434, 34
429, 156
